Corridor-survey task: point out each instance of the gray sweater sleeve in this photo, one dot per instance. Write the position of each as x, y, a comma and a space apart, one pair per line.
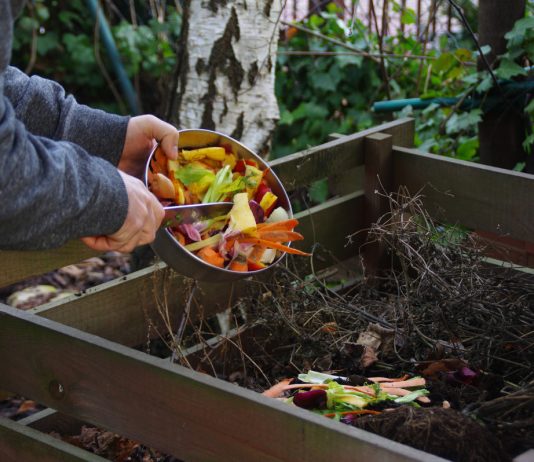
46, 110
52, 191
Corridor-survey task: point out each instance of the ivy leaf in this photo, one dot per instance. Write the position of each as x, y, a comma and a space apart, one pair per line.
527, 144
318, 191
464, 121
508, 69
485, 84
309, 110
323, 81
409, 16
468, 149
444, 62
286, 118
463, 55
486, 49
520, 27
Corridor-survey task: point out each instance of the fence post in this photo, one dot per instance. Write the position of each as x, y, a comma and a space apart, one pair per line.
378, 183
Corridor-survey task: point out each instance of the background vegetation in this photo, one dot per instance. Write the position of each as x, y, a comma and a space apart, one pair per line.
324, 84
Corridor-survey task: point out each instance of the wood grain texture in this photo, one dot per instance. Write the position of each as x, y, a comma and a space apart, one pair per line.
476, 196
378, 184
336, 158
168, 407
120, 310
127, 310
334, 227
19, 265
19, 443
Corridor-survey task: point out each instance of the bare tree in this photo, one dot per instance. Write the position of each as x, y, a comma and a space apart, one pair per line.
226, 69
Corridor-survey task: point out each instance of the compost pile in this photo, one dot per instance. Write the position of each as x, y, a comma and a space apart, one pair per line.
439, 311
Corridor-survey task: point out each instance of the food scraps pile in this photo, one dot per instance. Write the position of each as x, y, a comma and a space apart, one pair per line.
252, 235
345, 399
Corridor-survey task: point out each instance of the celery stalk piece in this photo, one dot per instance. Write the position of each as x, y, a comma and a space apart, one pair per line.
194, 246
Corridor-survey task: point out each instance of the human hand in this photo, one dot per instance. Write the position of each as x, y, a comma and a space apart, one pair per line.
142, 133
144, 217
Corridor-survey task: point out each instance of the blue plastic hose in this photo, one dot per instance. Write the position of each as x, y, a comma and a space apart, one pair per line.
107, 38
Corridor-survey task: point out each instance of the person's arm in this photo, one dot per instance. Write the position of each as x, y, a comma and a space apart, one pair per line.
53, 191
47, 110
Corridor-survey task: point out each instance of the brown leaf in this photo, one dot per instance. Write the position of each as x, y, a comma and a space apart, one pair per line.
368, 357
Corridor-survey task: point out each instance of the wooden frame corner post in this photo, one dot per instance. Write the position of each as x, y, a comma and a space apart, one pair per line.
378, 183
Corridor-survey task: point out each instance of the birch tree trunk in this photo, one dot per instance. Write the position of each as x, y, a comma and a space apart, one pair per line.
226, 74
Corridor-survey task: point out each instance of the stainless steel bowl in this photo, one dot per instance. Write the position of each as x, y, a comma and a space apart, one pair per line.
168, 248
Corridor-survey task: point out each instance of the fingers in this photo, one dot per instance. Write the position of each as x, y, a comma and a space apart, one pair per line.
166, 134
143, 219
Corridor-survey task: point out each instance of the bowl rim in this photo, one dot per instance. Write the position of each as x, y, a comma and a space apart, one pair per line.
180, 248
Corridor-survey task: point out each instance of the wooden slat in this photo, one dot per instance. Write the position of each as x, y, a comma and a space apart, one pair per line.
135, 298
116, 310
330, 224
49, 420
335, 157
19, 443
476, 196
352, 179
168, 407
378, 182
19, 265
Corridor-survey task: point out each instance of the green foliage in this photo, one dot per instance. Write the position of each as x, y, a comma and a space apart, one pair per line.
322, 94
149, 48
61, 37
319, 95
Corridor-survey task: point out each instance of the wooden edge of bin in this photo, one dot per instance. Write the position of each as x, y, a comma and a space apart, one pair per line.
476, 196
336, 157
20, 443
18, 265
168, 407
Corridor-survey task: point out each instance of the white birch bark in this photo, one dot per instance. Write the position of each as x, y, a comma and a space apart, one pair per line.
226, 82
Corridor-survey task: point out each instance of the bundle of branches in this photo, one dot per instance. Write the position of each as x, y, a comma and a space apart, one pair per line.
511, 417
449, 300
438, 299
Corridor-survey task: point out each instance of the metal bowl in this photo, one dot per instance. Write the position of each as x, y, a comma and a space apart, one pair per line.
175, 255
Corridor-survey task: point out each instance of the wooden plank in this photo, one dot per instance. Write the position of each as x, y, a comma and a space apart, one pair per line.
335, 157
19, 265
19, 443
378, 183
477, 196
133, 296
49, 420
353, 179
179, 411
117, 310
328, 227
135, 299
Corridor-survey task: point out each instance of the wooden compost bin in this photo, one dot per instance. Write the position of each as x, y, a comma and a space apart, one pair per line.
75, 355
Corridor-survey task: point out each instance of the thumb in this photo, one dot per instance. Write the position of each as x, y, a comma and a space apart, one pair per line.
168, 138
99, 243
